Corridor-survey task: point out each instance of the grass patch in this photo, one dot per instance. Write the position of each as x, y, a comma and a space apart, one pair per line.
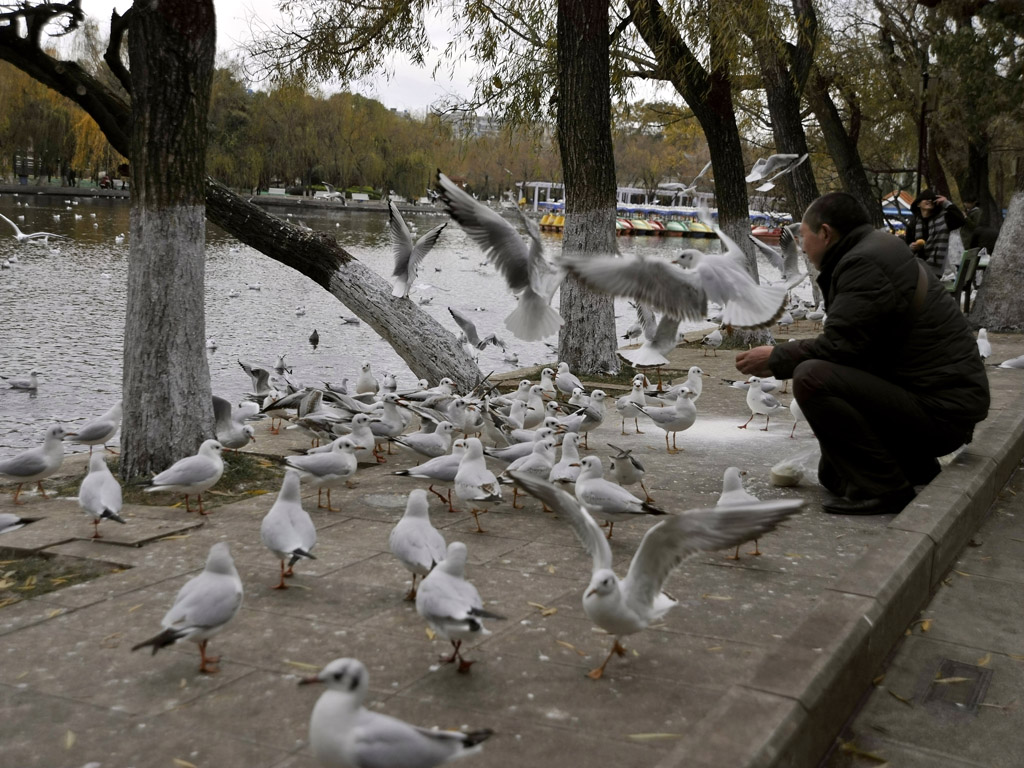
34, 575
244, 475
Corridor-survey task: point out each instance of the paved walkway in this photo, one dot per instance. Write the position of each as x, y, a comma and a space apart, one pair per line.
760, 664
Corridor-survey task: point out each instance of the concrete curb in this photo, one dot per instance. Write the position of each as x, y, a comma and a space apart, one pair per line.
802, 694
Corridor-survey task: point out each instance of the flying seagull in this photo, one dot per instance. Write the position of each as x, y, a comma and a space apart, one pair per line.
408, 255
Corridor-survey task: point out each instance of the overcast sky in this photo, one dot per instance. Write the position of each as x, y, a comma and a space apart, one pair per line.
411, 88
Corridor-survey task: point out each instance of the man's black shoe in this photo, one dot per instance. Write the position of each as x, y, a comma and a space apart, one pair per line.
889, 504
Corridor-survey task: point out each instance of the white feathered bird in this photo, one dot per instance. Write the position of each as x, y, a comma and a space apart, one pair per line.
408, 255
416, 543
100, 494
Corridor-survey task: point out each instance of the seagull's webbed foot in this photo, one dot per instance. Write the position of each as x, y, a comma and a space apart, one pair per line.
757, 550
476, 518
617, 650
204, 660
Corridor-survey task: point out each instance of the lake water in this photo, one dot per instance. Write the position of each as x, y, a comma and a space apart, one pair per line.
62, 306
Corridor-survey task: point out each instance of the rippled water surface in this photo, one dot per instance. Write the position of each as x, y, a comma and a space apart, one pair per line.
62, 306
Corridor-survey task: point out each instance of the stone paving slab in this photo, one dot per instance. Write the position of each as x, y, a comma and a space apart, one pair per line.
756, 666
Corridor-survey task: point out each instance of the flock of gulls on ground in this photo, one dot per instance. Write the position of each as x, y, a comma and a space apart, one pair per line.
457, 435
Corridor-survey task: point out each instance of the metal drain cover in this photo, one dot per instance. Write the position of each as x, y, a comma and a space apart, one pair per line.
956, 685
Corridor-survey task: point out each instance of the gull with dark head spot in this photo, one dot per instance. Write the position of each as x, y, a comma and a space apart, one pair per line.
627, 606
36, 464
345, 734
192, 475
100, 430
203, 607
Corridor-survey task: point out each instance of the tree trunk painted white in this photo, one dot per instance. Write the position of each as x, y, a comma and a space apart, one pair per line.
999, 305
168, 410
587, 341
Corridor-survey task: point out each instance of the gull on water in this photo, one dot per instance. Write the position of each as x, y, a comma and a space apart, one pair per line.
287, 529
23, 237
36, 464
100, 494
627, 606
408, 255
345, 734
451, 605
29, 384
416, 544
192, 475
204, 605
527, 272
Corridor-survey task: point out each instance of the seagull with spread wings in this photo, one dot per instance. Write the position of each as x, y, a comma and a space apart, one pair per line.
627, 606
22, 237
408, 255
527, 272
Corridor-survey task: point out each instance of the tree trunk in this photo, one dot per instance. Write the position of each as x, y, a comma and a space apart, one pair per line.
588, 340
998, 306
168, 411
977, 183
430, 350
842, 148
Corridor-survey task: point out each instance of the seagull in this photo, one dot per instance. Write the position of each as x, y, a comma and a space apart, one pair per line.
228, 423
781, 166
204, 605
342, 732
984, 345
712, 341
36, 464
314, 339
798, 416
99, 431
211, 344
540, 461
100, 494
441, 469
761, 403
300, 311
603, 498
366, 383
287, 529
429, 444
652, 352
628, 469
469, 329
260, 379
627, 606
567, 469
22, 237
765, 166
682, 287
119, 239
254, 286
193, 474
674, 420
1013, 362
414, 541
28, 385
566, 380
734, 494
451, 605
11, 522
408, 255
523, 265
644, 324
349, 319
329, 469
474, 482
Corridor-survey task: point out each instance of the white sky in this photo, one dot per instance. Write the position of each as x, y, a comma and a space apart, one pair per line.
411, 88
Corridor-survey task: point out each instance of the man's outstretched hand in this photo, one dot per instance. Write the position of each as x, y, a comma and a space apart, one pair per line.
754, 362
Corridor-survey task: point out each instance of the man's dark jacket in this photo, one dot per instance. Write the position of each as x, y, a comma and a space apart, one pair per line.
868, 280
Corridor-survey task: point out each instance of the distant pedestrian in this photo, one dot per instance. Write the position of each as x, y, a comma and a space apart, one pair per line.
934, 217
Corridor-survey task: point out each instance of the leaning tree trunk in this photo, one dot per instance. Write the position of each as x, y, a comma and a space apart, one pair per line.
842, 147
425, 345
998, 306
168, 411
587, 340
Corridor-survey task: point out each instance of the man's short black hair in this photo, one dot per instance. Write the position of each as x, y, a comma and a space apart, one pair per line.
840, 210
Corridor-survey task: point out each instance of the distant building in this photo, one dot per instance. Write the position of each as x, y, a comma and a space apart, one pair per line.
467, 126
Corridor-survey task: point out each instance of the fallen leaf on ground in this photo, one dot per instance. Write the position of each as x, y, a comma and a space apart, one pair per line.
850, 748
653, 736
301, 664
69, 740
183, 763
984, 661
431, 634
716, 597
896, 696
948, 680
571, 647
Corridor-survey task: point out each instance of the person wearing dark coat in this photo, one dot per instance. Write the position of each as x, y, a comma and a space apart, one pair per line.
933, 218
894, 380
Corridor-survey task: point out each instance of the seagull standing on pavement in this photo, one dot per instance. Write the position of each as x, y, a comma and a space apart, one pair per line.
627, 469
414, 541
451, 605
605, 499
192, 475
36, 464
761, 403
627, 606
408, 255
344, 733
712, 341
675, 420
203, 607
733, 495
100, 494
328, 469
474, 482
287, 529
